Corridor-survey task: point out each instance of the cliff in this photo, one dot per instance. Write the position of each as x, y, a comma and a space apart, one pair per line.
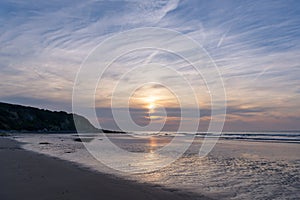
29, 119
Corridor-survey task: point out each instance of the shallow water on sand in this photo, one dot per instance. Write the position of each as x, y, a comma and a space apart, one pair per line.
232, 170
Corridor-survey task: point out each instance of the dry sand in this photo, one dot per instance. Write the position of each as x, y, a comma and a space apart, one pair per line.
28, 175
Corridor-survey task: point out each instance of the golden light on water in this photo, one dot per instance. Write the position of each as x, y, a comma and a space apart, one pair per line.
152, 144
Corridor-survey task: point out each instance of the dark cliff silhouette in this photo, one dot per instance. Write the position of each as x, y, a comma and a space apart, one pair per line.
29, 119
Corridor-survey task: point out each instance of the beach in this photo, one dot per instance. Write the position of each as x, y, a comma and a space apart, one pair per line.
28, 175
149, 100
256, 165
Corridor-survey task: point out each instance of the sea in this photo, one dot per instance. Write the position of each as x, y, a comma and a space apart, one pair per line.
240, 165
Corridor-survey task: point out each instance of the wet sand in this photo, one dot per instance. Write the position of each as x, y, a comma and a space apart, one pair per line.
28, 175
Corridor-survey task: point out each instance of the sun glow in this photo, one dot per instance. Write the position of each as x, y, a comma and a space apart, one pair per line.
151, 103
151, 99
151, 106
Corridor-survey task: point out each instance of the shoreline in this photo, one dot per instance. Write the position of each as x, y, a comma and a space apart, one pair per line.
26, 174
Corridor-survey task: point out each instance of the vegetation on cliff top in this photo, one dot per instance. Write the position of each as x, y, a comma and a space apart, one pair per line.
29, 119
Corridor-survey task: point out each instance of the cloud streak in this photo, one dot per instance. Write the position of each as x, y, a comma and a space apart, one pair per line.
255, 45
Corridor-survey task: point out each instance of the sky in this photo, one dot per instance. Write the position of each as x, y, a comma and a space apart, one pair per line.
255, 46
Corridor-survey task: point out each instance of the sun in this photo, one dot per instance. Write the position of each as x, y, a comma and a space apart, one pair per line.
150, 101
151, 106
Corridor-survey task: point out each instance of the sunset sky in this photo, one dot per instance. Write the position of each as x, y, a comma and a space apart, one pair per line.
254, 44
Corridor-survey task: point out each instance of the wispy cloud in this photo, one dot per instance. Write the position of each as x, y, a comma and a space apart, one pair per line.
255, 45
